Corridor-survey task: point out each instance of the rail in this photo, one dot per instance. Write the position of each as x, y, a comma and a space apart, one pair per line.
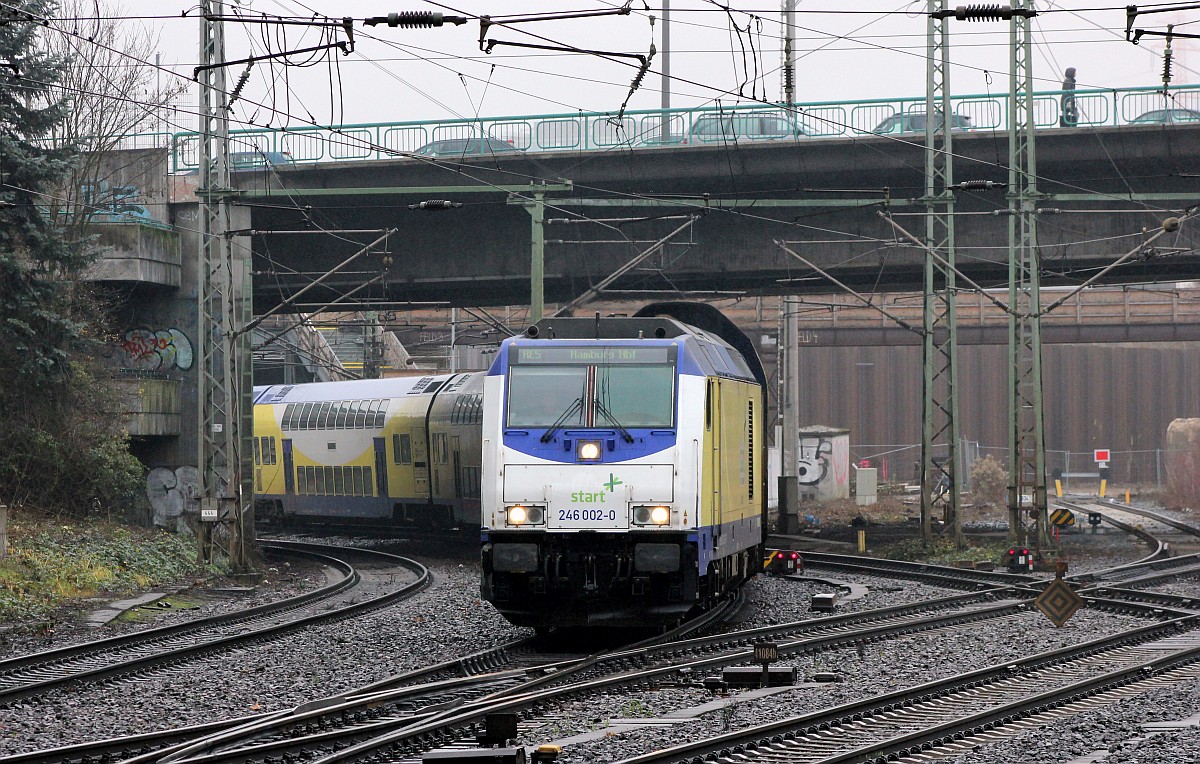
591, 131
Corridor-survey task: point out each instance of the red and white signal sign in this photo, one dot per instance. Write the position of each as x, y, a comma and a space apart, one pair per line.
1101, 454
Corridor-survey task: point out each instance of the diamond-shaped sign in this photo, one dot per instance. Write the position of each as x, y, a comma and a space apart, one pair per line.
1058, 602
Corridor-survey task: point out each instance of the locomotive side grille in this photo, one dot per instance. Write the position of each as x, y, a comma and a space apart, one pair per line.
750, 446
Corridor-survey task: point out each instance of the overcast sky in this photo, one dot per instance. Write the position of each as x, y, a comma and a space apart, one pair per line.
847, 49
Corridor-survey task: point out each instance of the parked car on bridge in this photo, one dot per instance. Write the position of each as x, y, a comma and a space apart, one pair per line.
465, 147
733, 128
240, 161
256, 160
1166, 117
915, 122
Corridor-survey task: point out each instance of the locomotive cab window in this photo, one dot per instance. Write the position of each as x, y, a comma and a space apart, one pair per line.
610, 386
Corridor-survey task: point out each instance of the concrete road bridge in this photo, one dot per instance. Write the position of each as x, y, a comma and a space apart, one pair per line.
623, 209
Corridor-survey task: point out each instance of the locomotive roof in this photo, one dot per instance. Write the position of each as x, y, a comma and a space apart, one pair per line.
612, 328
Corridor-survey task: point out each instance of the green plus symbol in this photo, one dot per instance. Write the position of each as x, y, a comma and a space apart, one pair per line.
612, 482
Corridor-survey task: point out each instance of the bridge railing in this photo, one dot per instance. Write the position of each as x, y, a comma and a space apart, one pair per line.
664, 127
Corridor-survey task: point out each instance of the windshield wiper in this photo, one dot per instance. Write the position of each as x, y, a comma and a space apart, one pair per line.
608, 415
575, 406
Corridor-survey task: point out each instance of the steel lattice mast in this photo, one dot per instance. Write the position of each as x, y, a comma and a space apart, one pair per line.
1027, 474
939, 433
224, 371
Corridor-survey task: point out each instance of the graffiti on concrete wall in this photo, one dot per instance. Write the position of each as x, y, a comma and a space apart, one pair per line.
157, 350
813, 464
825, 463
173, 496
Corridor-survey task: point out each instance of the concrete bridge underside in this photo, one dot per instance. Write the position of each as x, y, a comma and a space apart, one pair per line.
715, 219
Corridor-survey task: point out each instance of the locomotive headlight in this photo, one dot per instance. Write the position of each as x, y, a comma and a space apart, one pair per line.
657, 515
524, 514
588, 450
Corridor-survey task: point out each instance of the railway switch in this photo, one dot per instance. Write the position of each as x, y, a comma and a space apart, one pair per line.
515, 755
752, 676
1018, 559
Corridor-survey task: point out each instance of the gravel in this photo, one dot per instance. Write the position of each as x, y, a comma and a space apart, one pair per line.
449, 620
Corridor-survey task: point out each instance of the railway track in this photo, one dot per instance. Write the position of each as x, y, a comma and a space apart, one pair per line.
913, 720
356, 591
400, 718
404, 737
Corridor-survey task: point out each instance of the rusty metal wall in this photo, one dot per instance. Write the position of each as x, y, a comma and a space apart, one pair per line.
1120, 396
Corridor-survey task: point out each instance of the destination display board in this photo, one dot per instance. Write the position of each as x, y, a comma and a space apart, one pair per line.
592, 355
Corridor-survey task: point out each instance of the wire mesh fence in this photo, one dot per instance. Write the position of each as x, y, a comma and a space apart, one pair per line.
901, 463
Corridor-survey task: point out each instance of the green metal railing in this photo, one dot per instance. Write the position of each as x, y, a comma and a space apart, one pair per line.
658, 127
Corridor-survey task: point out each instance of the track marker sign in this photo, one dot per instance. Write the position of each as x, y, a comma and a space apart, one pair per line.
1058, 601
1102, 455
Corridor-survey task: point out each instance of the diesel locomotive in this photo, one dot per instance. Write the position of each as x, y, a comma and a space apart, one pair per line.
623, 470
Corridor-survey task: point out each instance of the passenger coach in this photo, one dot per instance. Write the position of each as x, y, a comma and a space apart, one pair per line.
401, 451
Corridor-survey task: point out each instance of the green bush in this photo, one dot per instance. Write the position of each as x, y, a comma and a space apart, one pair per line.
989, 481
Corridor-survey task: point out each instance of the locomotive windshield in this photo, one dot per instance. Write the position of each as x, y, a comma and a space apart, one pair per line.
591, 387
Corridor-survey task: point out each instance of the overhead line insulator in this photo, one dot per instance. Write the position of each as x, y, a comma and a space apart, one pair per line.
414, 19
984, 13
978, 185
436, 204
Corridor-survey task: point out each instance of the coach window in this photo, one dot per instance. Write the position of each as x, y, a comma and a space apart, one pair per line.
323, 416
402, 449
287, 416
352, 414
381, 413
256, 455
302, 416
339, 419
339, 481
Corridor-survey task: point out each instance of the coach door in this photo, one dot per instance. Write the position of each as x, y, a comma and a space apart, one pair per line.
381, 478
421, 469
456, 459
289, 473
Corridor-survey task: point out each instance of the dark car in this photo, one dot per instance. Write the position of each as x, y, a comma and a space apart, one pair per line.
915, 122
240, 161
465, 147
1166, 117
257, 160
744, 127
733, 128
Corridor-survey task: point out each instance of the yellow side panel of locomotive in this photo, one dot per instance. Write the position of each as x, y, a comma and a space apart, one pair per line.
731, 453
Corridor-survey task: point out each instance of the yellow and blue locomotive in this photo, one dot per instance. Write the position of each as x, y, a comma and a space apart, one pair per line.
623, 468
